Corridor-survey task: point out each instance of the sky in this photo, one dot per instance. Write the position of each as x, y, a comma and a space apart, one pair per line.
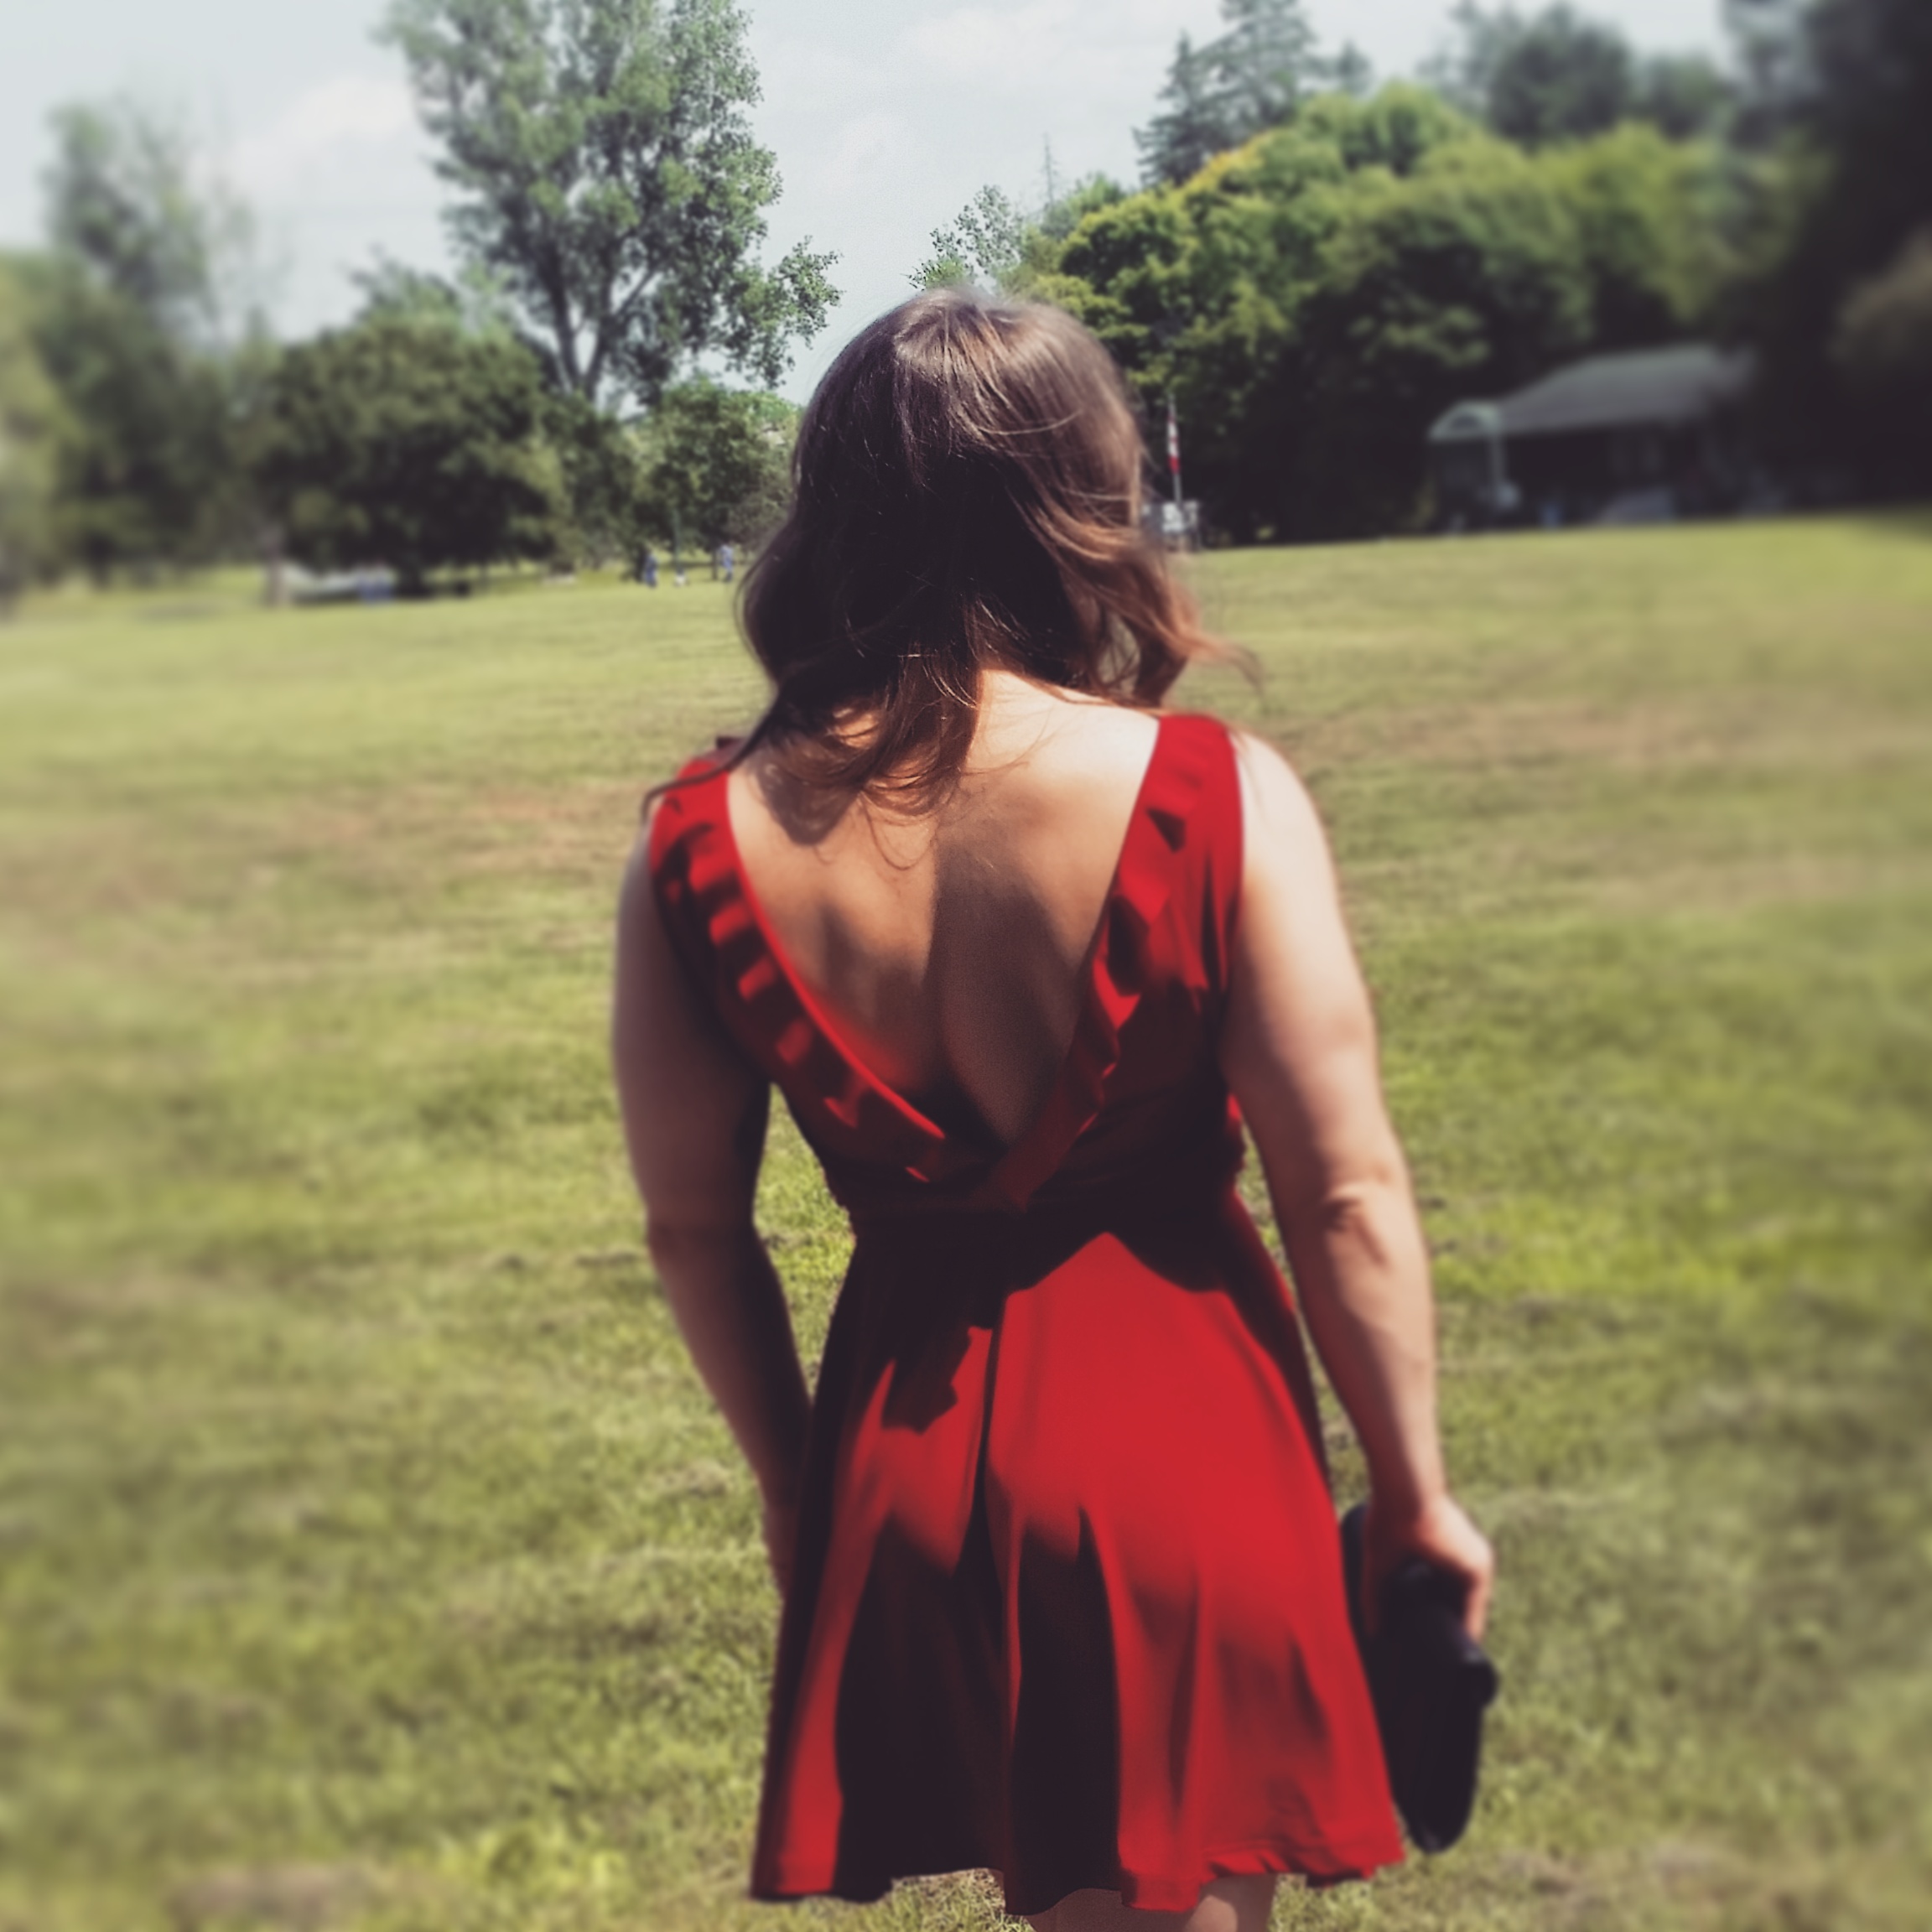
886, 116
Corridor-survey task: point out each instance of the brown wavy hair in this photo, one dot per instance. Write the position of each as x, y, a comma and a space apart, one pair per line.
966, 494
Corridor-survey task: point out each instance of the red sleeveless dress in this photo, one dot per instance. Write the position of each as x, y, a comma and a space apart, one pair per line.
1067, 1602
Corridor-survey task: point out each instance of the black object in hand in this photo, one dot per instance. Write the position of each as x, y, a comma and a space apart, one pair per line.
1430, 1683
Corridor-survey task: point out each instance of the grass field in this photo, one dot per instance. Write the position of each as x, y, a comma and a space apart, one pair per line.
368, 1556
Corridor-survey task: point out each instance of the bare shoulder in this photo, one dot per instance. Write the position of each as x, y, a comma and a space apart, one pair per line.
1284, 829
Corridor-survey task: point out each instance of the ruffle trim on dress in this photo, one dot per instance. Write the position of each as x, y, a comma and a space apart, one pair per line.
725, 939
729, 945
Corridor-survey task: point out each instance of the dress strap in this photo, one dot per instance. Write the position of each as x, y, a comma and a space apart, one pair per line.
1174, 866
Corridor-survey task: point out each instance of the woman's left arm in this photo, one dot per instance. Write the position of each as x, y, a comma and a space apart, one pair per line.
695, 1116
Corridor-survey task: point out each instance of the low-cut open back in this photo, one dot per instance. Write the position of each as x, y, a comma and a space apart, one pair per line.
1066, 1601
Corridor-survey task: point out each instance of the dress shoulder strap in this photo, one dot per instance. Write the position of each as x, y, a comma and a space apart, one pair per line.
1209, 843
692, 876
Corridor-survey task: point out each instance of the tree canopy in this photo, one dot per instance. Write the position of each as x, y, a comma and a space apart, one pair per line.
405, 442
715, 464
1314, 299
1251, 78
604, 170
30, 427
1842, 99
1558, 74
137, 311
127, 198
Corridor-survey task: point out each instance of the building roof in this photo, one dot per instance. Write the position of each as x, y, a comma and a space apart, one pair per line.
1638, 388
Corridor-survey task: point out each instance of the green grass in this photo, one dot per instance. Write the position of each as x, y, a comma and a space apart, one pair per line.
368, 1555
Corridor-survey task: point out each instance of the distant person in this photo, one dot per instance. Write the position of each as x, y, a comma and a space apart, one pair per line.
727, 561
647, 569
1064, 1593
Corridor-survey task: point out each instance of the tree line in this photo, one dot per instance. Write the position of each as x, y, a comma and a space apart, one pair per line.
607, 203
1312, 268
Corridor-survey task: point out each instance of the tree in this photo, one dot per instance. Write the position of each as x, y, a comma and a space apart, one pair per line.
1559, 77
125, 196
597, 453
30, 427
139, 313
1254, 76
1841, 96
1684, 96
1266, 64
1655, 219
982, 244
398, 442
1553, 76
1194, 125
1881, 351
473, 304
1313, 299
993, 243
716, 464
146, 469
604, 169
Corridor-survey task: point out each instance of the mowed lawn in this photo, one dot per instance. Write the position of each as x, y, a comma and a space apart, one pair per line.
369, 1557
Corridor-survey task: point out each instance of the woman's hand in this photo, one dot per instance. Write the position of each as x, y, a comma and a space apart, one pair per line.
1441, 1534
780, 1540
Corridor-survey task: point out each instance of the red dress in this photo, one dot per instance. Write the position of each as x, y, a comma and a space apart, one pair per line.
1067, 1602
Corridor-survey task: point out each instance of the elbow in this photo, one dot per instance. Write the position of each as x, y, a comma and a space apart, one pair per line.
1345, 1207
1360, 1210
675, 1240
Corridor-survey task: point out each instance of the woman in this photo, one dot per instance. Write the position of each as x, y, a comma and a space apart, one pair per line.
1062, 1594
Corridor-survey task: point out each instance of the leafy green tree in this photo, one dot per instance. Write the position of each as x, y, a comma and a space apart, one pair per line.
30, 429
1552, 76
1882, 352
597, 453
993, 243
125, 196
1193, 125
984, 244
1840, 94
146, 469
1064, 213
1313, 299
1656, 220
1466, 277
473, 303
601, 467
604, 169
1254, 76
1560, 76
405, 444
138, 312
1684, 96
716, 464
1266, 64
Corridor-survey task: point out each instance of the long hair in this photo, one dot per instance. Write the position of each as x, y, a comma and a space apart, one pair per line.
966, 495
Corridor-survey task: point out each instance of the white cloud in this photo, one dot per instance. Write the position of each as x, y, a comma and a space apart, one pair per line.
336, 119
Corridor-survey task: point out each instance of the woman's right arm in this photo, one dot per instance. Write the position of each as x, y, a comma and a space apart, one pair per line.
1299, 1052
694, 1115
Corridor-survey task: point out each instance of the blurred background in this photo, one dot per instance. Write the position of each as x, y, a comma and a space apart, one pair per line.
389, 397
1672, 259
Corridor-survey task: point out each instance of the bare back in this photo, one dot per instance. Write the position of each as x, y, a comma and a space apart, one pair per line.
949, 947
